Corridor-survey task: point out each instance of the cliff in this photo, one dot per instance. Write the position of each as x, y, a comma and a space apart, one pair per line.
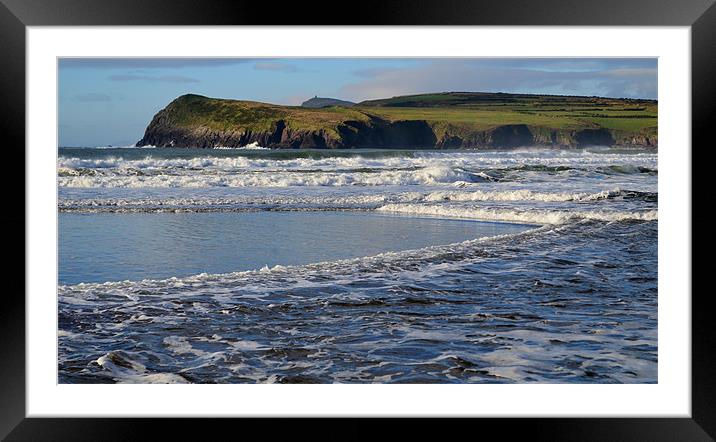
445, 120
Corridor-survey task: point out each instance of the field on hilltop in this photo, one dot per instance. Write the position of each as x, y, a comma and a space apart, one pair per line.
484, 111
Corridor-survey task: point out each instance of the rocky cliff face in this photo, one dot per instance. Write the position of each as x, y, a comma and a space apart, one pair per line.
382, 134
350, 134
163, 135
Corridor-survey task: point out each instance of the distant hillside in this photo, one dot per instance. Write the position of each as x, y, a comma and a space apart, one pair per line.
318, 102
440, 120
481, 99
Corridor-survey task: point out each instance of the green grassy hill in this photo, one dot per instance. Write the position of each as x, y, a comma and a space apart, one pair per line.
485, 110
439, 120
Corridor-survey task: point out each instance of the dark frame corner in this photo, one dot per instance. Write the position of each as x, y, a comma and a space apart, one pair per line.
16, 15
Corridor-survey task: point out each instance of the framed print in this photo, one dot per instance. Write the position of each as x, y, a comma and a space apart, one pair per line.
388, 214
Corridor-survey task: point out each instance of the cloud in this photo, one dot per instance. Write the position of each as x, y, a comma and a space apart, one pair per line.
275, 67
161, 78
148, 63
632, 78
91, 97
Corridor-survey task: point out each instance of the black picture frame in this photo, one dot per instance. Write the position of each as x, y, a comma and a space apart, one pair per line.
16, 15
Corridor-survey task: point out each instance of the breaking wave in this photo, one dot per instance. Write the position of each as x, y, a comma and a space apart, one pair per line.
415, 168
523, 216
337, 200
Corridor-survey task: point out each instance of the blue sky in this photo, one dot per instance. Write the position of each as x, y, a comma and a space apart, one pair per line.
105, 101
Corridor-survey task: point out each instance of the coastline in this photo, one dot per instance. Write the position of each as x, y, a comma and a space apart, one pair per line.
475, 122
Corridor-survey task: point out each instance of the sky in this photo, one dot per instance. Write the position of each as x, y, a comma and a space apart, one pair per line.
110, 101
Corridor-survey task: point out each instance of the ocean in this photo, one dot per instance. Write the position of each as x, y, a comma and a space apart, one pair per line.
357, 266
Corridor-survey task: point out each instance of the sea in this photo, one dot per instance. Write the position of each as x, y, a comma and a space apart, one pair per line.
357, 266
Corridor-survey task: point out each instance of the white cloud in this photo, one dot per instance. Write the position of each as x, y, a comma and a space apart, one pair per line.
618, 80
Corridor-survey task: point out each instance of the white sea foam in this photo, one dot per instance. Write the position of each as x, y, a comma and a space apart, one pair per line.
180, 345
462, 160
361, 199
124, 369
251, 146
437, 175
514, 215
519, 195
426, 168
